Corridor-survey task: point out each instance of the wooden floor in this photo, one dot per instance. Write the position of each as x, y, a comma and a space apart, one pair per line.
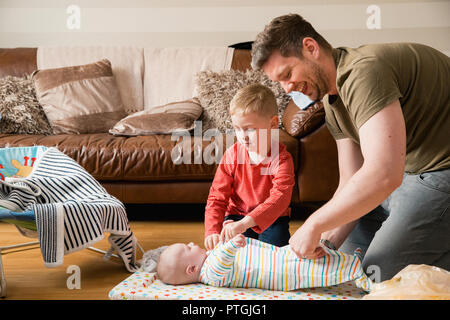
28, 278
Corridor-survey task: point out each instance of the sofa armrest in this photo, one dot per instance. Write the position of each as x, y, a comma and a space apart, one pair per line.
241, 59
317, 166
299, 123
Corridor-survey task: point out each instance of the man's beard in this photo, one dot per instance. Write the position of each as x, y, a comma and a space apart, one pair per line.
320, 82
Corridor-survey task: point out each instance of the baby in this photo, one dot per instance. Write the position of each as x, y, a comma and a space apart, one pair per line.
249, 263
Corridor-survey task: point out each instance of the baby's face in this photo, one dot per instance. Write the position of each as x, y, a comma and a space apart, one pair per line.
253, 131
188, 254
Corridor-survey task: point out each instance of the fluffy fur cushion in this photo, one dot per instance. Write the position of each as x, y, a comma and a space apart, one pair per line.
20, 110
215, 91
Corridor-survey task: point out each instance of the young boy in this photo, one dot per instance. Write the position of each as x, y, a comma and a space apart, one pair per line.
249, 263
252, 188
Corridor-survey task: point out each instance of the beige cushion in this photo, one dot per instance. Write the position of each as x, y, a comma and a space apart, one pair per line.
127, 63
166, 119
169, 72
80, 99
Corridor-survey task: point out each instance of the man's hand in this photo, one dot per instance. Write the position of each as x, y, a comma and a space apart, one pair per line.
211, 241
305, 242
338, 235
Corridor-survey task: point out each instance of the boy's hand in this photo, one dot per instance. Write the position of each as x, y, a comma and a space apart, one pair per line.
233, 228
239, 240
211, 241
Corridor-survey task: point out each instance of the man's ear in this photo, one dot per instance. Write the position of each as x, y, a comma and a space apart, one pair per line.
274, 122
310, 47
190, 269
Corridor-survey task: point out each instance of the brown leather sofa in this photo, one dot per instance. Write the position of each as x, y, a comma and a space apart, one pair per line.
139, 170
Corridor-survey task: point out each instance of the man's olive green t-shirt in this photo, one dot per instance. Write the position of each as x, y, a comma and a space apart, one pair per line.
371, 77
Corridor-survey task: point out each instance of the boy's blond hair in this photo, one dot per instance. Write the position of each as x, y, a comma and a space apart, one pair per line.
255, 98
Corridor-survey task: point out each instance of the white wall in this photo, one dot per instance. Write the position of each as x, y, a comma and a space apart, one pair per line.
162, 23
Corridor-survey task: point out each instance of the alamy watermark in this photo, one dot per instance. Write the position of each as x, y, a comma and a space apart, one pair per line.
74, 280
373, 22
374, 273
190, 148
73, 21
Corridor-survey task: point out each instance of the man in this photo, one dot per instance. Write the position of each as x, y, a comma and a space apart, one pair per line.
388, 107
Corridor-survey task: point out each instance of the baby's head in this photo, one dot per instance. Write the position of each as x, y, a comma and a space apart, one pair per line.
181, 263
253, 110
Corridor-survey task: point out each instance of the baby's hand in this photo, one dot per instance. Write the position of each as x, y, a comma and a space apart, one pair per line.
239, 240
211, 241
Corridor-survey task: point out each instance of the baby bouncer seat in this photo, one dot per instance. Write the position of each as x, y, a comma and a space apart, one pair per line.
48, 195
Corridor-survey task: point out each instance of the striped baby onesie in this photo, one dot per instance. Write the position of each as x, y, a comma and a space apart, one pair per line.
264, 266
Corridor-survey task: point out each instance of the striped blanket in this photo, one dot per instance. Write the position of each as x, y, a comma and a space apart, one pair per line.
72, 210
264, 266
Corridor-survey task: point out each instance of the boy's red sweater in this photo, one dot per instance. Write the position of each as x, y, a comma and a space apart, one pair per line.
244, 189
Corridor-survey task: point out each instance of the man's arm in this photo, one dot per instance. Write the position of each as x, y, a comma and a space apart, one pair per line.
350, 161
383, 146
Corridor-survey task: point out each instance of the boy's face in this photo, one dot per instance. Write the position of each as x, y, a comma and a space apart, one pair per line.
253, 131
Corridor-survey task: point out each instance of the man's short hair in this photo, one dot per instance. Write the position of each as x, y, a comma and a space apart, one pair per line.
286, 34
255, 98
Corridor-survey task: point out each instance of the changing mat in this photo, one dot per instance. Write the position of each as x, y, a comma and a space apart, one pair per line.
143, 285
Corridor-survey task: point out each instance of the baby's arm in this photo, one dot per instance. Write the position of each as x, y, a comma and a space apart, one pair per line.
220, 261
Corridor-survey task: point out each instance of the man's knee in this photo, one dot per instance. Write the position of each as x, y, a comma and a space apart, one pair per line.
443, 261
381, 267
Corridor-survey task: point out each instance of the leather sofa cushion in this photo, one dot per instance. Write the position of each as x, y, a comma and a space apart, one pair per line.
98, 153
140, 158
